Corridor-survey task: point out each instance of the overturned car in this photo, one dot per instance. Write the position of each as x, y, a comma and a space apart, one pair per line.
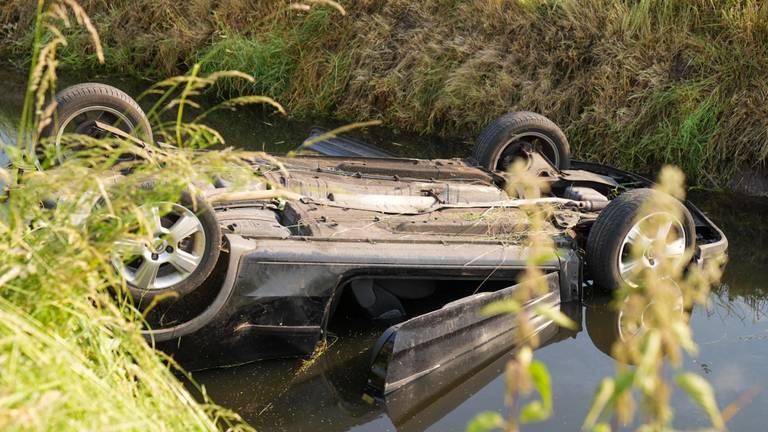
420, 245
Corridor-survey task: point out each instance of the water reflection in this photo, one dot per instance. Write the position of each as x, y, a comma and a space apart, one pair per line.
332, 391
608, 324
744, 221
6, 138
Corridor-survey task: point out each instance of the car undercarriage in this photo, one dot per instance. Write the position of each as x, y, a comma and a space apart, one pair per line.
419, 247
422, 245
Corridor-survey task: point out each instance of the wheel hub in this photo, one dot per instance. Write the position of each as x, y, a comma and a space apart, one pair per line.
655, 239
173, 253
159, 245
650, 255
84, 121
521, 145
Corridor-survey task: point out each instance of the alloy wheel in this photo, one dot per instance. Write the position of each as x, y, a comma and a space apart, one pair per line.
173, 253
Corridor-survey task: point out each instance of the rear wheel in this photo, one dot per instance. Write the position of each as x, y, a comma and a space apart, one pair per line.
79, 108
513, 135
179, 256
632, 236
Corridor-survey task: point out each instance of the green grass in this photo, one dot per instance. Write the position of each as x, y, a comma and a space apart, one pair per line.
274, 59
270, 61
72, 353
72, 350
634, 83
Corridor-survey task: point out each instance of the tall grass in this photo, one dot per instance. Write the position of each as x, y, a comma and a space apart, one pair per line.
636, 83
656, 334
524, 374
71, 346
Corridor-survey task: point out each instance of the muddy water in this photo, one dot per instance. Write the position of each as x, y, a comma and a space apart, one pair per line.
732, 331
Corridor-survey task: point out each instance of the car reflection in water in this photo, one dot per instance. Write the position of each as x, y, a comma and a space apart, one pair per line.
333, 389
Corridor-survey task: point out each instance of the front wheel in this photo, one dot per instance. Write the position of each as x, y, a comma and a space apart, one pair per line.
640, 231
180, 254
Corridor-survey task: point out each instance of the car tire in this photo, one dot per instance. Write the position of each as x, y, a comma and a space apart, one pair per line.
502, 141
83, 102
612, 234
198, 252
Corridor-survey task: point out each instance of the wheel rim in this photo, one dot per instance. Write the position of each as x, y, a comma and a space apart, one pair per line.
516, 146
643, 239
83, 122
175, 251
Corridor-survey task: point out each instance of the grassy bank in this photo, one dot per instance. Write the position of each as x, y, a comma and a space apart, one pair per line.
634, 83
72, 351
72, 357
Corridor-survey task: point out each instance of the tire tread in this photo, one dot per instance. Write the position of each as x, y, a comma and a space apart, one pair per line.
94, 93
490, 137
608, 231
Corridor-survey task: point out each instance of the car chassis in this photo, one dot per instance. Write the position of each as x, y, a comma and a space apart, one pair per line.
380, 227
420, 246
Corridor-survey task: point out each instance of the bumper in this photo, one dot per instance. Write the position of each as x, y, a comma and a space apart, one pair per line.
716, 247
712, 243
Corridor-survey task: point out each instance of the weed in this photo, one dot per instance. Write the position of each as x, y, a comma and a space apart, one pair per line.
71, 343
